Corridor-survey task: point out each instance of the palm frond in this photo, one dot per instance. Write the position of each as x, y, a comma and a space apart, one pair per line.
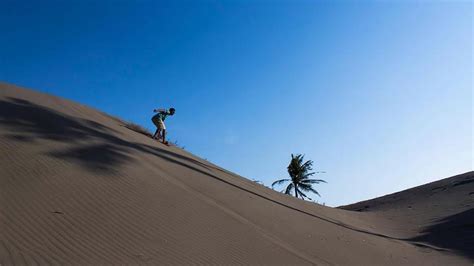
313, 181
278, 182
301, 193
314, 191
288, 188
307, 175
304, 186
307, 187
307, 165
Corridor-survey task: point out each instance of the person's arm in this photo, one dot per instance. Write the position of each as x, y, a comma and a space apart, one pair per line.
160, 110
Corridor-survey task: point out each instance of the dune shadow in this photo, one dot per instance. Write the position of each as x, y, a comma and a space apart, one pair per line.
455, 232
99, 158
29, 122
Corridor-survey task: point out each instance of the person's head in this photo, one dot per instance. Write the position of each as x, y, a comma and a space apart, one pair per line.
172, 110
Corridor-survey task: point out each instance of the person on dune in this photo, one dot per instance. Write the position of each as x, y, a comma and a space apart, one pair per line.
159, 121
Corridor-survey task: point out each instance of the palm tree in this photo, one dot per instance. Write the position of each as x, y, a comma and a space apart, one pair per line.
300, 174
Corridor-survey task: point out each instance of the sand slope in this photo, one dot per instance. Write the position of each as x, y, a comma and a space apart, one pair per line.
440, 213
77, 187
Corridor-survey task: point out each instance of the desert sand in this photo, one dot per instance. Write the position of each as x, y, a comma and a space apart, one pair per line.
78, 187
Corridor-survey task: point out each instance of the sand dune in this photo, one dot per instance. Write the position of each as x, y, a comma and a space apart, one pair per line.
77, 187
440, 214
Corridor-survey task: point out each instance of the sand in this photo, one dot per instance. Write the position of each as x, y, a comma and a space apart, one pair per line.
78, 187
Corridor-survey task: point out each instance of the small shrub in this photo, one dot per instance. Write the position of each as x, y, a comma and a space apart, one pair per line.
176, 144
137, 128
117, 119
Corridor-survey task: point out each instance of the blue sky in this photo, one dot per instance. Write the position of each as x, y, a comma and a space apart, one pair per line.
378, 94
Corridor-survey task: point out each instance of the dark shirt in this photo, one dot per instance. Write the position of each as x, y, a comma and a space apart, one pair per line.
162, 115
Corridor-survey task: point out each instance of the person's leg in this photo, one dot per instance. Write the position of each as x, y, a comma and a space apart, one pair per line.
156, 122
164, 135
163, 131
156, 133
158, 137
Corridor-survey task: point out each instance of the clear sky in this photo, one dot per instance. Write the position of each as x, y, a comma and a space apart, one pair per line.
378, 94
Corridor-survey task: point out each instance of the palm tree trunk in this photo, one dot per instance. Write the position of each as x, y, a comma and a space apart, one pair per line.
296, 191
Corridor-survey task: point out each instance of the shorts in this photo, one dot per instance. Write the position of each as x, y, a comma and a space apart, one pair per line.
158, 123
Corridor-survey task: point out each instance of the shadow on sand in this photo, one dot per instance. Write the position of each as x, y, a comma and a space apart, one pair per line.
455, 232
94, 145
97, 149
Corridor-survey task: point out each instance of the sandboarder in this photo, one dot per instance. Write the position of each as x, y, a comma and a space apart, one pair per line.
159, 121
